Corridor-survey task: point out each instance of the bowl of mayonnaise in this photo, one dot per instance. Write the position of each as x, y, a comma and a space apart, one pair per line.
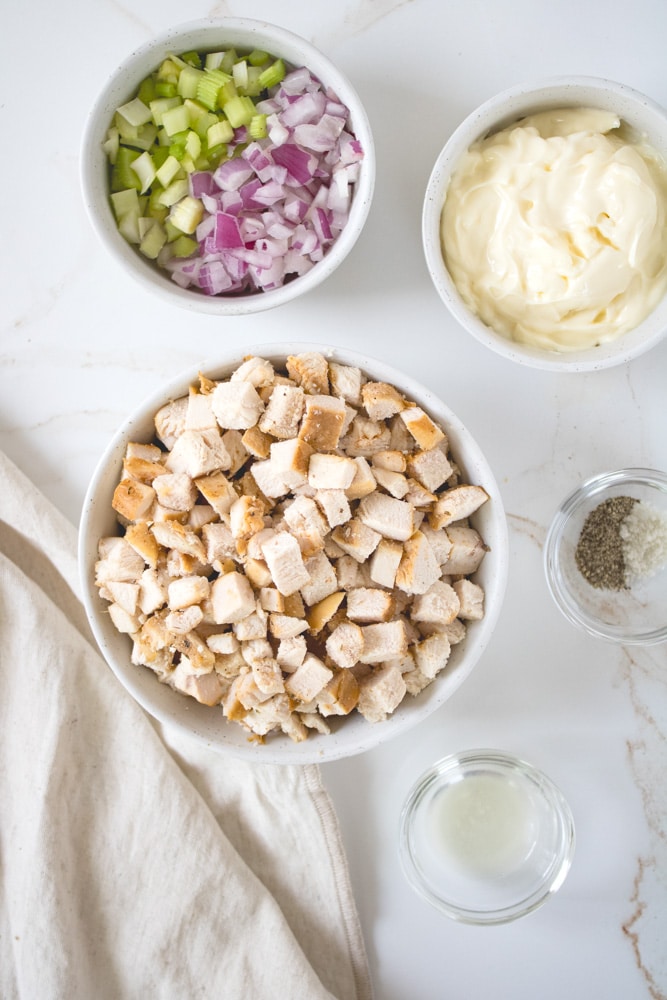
545, 224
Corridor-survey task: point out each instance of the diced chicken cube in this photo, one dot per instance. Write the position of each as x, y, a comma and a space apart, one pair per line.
291, 653
217, 491
223, 643
283, 412
253, 627
390, 517
173, 535
125, 595
381, 400
331, 472
389, 459
322, 422
385, 562
285, 564
175, 491
187, 590
335, 505
340, 695
431, 468
272, 600
133, 499
345, 644
236, 405
426, 433
471, 599
207, 689
310, 370
246, 517
439, 604
198, 453
368, 604
356, 539
257, 371
257, 443
170, 421
394, 483
199, 415
347, 572
456, 504
268, 676
321, 614
365, 437
467, 550
237, 451
363, 482
439, 542
269, 479
308, 679
346, 381
418, 569
140, 537
285, 626
119, 562
123, 622
380, 693
232, 598
152, 592
184, 620
384, 641
322, 579
291, 458
431, 654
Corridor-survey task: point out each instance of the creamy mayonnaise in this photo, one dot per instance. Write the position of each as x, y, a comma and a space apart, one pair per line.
554, 230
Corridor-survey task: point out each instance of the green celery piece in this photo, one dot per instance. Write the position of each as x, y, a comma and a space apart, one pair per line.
128, 226
122, 175
127, 132
167, 172
213, 60
208, 87
188, 164
257, 127
228, 59
159, 213
203, 124
239, 111
146, 137
135, 112
272, 75
160, 154
164, 88
172, 232
193, 145
162, 104
172, 194
146, 92
167, 71
258, 57
184, 246
176, 120
177, 146
227, 91
188, 81
111, 144
219, 134
195, 109
253, 87
187, 214
124, 202
192, 58
240, 75
153, 241
144, 168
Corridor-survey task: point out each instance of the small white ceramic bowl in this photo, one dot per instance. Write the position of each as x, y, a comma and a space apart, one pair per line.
636, 615
352, 734
486, 837
211, 35
638, 111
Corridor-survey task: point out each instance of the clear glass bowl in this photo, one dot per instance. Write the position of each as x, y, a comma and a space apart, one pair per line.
486, 837
635, 615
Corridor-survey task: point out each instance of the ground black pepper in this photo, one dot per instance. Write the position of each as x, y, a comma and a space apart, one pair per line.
599, 551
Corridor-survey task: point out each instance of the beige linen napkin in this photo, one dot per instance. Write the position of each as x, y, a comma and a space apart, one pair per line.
135, 863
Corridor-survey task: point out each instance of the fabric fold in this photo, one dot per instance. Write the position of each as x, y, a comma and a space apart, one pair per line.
133, 861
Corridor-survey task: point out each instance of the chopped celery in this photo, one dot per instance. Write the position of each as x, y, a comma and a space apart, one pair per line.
176, 120
146, 92
184, 246
173, 193
145, 139
160, 154
166, 89
227, 91
193, 145
192, 58
168, 71
240, 74
122, 175
135, 112
172, 232
144, 168
239, 110
228, 59
128, 226
258, 57
202, 124
162, 104
188, 81
213, 60
272, 75
177, 146
187, 214
167, 172
195, 109
188, 164
253, 87
125, 201
208, 87
127, 132
111, 143
153, 241
219, 133
257, 127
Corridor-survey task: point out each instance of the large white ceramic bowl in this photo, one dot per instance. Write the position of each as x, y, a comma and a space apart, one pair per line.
214, 34
638, 111
352, 734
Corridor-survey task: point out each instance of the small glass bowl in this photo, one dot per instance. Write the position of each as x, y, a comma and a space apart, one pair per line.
636, 615
485, 837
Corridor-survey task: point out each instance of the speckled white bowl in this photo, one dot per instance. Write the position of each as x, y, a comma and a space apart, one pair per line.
634, 108
210, 35
351, 735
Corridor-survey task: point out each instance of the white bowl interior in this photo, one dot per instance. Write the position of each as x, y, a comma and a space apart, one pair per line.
641, 113
210, 35
349, 735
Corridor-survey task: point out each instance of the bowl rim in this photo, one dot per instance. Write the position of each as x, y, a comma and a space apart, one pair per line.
500, 762
595, 486
516, 101
124, 80
341, 743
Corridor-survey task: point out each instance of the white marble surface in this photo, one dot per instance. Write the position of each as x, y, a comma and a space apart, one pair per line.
81, 344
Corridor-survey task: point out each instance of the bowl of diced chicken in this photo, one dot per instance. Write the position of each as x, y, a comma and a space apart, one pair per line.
294, 555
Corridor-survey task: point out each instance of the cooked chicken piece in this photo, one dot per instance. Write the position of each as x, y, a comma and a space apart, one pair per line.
237, 451
340, 695
143, 542
384, 641
322, 579
152, 592
347, 572
175, 491
125, 595
285, 564
123, 622
335, 505
219, 544
232, 598
223, 643
154, 635
431, 654
467, 552
457, 504
199, 415
426, 433
430, 468
440, 604
346, 382
363, 482
201, 514
143, 469
331, 549
310, 370
416, 681
308, 679
257, 443
268, 676
389, 459
322, 613
418, 569
283, 412
258, 573
285, 626
369, 604
380, 693
272, 600
271, 715
290, 460
255, 650
118, 562
206, 688
198, 453
322, 422
147, 452
232, 707
394, 483
217, 491
184, 620
455, 631
186, 591
173, 535
294, 728
356, 539
439, 542
246, 517
471, 598
365, 437
305, 522
385, 562
133, 499
390, 517
331, 472
170, 421
258, 371
381, 400
345, 644
229, 665
236, 405
418, 496
291, 653
253, 627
